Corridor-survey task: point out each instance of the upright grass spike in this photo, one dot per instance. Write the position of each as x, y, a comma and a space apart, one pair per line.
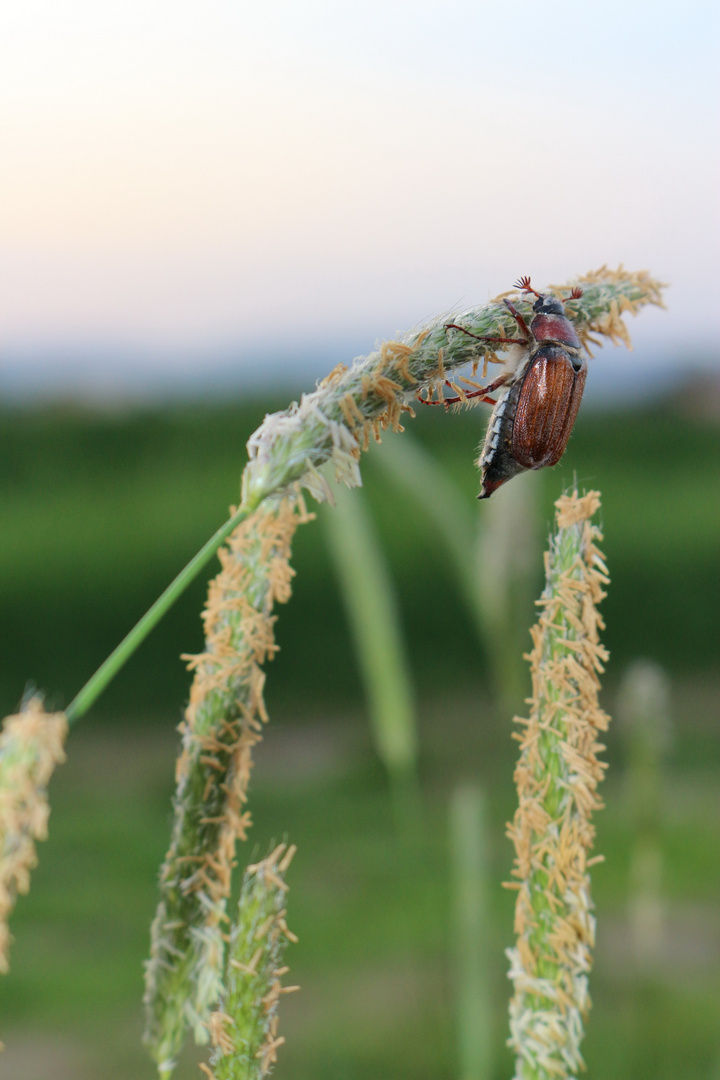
244, 1027
557, 777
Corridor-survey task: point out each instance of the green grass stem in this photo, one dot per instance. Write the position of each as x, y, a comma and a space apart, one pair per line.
107, 671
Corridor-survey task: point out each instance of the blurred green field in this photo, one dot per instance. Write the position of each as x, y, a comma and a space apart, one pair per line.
100, 510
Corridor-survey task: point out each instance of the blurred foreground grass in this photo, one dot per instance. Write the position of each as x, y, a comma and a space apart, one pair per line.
374, 920
100, 510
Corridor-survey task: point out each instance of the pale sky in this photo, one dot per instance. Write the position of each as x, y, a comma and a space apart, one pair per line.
183, 181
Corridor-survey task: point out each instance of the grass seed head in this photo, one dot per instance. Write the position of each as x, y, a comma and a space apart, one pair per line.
222, 724
557, 777
31, 745
244, 1028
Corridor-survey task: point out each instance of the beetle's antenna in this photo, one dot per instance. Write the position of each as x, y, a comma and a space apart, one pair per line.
574, 295
524, 285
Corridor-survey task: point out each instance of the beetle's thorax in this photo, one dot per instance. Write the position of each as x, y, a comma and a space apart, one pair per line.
555, 329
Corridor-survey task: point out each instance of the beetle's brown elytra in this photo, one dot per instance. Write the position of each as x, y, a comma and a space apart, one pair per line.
549, 401
540, 392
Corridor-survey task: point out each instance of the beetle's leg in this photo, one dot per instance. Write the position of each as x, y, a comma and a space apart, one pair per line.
448, 401
473, 394
428, 401
483, 390
518, 318
507, 340
458, 400
481, 393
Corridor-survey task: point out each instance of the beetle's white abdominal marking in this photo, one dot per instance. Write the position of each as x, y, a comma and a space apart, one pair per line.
515, 360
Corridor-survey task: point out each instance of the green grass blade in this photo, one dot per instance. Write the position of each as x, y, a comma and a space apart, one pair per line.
509, 567
644, 712
369, 598
468, 849
492, 549
420, 473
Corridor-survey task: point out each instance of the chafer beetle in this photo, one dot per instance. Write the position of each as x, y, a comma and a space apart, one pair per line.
541, 386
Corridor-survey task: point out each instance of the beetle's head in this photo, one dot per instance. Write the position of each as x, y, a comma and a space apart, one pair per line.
548, 305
